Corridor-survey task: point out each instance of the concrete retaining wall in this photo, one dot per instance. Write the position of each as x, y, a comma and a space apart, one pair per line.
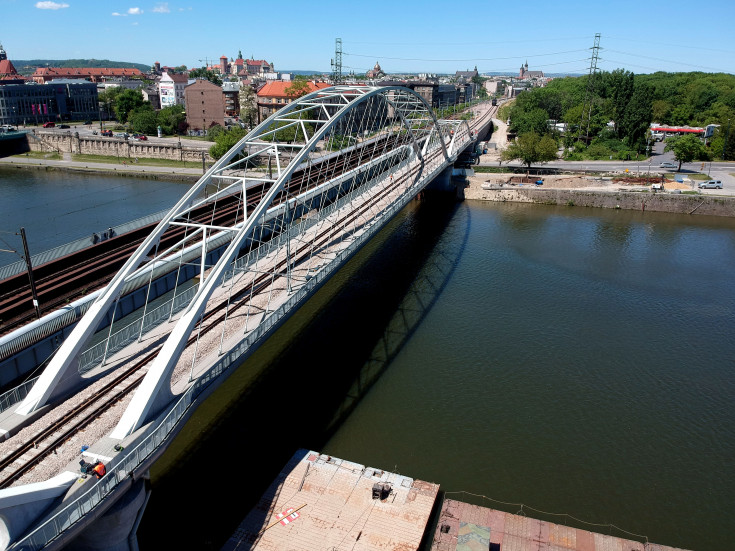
71, 142
659, 202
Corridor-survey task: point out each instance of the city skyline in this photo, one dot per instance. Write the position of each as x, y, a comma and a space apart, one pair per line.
411, 37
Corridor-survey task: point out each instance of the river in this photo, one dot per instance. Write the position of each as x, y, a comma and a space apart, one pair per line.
576, 361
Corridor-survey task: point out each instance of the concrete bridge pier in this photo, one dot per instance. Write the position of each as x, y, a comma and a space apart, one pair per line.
450, 181
116, 529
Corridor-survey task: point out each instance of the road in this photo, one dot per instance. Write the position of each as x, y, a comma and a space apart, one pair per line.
88, 130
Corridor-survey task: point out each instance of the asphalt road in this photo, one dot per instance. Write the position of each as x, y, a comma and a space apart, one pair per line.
87, 131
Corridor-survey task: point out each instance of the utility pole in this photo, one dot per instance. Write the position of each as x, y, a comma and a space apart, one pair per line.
724, 145
30, 272
337, 61
587, 105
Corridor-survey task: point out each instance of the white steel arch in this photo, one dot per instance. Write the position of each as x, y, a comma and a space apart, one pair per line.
364, 132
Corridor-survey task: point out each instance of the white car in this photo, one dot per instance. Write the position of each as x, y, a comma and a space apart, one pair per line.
667, 164
711, 184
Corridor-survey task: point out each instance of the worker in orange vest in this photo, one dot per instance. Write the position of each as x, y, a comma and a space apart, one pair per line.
99, 469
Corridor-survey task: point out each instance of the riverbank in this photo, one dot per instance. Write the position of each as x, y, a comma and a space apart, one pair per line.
137, 170
580, 191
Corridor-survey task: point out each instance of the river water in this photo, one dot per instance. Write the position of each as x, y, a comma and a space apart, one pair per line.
576, 361
57, 207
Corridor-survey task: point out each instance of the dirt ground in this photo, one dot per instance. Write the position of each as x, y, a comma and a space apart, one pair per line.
499, 138
587, 183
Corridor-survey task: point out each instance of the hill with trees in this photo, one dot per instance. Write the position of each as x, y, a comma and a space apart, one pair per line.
614, 121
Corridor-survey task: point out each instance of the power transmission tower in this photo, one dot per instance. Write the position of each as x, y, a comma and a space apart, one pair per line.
337, 61
587, 105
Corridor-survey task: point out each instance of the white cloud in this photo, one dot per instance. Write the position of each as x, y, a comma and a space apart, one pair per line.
162, 8
50, 5
118, 14
135, 11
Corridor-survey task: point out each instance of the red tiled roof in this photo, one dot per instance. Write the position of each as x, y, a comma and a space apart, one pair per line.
277, 88
7, 68
82, 71
257, 62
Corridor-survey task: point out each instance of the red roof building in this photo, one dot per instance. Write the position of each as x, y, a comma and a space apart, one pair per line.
273, 96
94, 74
7, 70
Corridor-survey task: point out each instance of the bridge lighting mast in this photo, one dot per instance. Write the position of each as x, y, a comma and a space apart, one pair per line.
587, 105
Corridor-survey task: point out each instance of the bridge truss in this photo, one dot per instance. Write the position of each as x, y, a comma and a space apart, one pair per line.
271, 214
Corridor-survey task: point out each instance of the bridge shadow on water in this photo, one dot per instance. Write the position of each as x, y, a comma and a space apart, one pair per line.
297, 389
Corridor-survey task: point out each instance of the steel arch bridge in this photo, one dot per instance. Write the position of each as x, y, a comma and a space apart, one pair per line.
266, 226
297, 190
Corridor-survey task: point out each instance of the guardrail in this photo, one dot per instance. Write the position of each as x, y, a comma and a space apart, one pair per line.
123, 465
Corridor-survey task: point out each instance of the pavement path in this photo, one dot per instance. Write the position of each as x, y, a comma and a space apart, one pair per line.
125, 167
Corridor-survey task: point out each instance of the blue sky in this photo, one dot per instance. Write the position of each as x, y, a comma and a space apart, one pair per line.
408, 36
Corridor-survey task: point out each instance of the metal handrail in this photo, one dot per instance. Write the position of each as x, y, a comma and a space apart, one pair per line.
123, 465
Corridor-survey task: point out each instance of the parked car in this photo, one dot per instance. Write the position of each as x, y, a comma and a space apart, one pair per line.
107, 133
711, 184
88, 122
63, 126
667, 164
49, 124
143, 137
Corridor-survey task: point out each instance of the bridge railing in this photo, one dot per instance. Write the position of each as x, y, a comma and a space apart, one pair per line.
121, 467
95, 355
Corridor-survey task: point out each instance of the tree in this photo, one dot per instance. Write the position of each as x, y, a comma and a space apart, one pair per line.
108, 98
531, 148
637, 117
126, 102
298, 88
171, 119
206, 74
687, 149
248, 107
226, 141
143, 119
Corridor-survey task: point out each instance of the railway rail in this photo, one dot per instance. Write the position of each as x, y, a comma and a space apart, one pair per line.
33, 449
69, 277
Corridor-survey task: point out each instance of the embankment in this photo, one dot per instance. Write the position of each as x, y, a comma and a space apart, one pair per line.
658, 202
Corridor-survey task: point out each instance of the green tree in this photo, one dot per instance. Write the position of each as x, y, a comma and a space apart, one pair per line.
531, 148
298, 88
126, 102
143, 119
171, 118
637, 117
248, 106
211, 76
107, 99
534, 120
687, 149
226, 140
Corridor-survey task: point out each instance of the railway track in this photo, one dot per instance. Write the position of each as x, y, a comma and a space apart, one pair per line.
74, 275
55, 433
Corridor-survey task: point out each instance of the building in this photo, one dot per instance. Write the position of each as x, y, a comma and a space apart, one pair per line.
98, 74
205, 105
375, 72
273, 96
525, 74
38, 103
171, 89
466, 76
231, 91
258, 67
150, 94
8, 74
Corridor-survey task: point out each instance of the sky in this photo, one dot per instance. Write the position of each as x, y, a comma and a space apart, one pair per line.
412, 36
